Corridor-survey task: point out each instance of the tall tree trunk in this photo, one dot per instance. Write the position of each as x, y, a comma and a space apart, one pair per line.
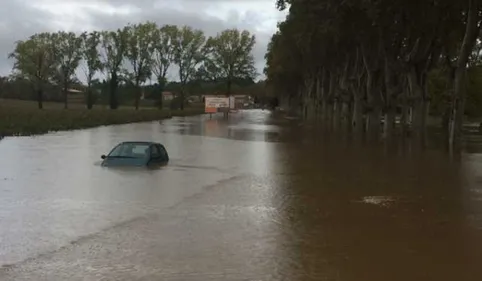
138, 95
390, 114
228, 94
182, 99
392, 88
389, 125
160, 100
445, 124
89, 97
305, 101
323, 92
357, 92
374, 101
373, 124
229, 84
420, 106
405, 114
330, 102
345, 113
40, 97
417, 119
373, 85
114, 104
472, 30
357, 120
308, 97
447, 106
318, 98
324, 112
300, 106
312, 108
337, 109
457, 112
66, 96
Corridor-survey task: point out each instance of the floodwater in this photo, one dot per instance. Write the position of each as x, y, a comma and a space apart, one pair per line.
253, 198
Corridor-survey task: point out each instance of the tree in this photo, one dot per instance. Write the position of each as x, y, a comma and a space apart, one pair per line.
35, 62
91, 56
229, 56
472, 32
360, 59
67, 54
114, 45
163, 55
139, 53
188, 53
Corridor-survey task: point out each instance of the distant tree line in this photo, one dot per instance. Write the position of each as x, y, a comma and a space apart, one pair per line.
129, 58
350, 63
18, 88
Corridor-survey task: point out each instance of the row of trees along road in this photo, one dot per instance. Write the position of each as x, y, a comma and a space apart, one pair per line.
352, 62
134, 54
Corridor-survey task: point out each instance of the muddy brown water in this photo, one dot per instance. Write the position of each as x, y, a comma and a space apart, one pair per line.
252, 198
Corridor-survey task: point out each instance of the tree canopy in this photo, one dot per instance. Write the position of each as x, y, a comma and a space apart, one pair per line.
228, 57
133, 55
35, 61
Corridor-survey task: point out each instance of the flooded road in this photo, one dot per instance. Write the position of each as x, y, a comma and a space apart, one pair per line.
252, 198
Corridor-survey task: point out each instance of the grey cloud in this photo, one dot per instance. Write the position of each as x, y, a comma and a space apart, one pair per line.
19, 21
210, 25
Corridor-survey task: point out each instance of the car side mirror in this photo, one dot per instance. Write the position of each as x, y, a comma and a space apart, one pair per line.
103, 157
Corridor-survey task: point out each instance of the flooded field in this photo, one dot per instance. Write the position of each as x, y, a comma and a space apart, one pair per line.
252, 198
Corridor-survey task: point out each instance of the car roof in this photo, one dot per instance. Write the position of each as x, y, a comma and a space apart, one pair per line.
139, 142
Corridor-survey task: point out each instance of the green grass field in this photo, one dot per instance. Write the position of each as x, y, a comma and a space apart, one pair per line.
24, 118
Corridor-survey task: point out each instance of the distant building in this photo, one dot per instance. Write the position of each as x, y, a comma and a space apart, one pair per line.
241, 100
195, 98
167, 96
75, 96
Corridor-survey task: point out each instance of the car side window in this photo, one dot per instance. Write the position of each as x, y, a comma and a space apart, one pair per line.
155, 153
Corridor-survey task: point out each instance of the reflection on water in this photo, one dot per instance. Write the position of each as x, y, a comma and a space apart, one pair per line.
384, 201
241, 125
253, 197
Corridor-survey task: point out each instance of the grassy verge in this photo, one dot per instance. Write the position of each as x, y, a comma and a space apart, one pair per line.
21, 118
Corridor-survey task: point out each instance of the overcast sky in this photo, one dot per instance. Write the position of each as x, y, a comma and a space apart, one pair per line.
21, 18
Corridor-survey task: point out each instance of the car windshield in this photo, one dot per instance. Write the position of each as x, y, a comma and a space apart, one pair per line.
130, 150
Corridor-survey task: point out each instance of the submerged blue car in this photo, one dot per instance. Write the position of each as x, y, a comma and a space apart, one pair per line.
135, 153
